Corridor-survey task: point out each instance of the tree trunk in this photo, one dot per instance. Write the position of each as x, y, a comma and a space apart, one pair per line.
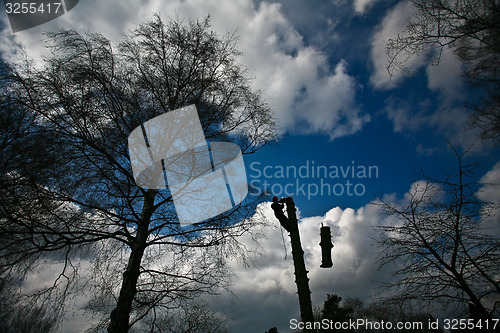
476, 308
301, 279
120, 316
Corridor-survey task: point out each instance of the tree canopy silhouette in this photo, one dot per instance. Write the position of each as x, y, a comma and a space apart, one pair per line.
68, 195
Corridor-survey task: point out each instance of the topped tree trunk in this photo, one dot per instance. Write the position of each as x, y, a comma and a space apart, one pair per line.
301, 280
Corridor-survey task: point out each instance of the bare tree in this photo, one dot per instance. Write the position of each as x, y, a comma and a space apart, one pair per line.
471, 29
69, 195
194, 318
442, 245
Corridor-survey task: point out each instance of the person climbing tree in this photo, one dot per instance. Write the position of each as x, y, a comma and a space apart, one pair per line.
278, 206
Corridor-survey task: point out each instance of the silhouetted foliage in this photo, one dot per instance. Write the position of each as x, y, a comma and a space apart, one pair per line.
333, 311
350, 310
272, 330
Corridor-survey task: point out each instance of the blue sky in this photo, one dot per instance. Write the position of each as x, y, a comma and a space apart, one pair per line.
321, 67
411, 118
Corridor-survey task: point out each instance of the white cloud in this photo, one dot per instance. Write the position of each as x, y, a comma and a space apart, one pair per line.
393, 23
490, 193
306, 92
403, 115
417, 111
296, 79
266, 293
360, 6
424, 191
445, 77
445, 118
490, 190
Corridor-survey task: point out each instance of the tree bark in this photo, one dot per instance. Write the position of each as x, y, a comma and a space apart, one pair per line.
301, 279
120, 316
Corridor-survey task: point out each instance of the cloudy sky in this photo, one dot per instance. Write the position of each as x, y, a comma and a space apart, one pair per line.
321, 66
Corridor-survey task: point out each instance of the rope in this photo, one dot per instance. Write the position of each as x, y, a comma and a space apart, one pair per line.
283, 238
